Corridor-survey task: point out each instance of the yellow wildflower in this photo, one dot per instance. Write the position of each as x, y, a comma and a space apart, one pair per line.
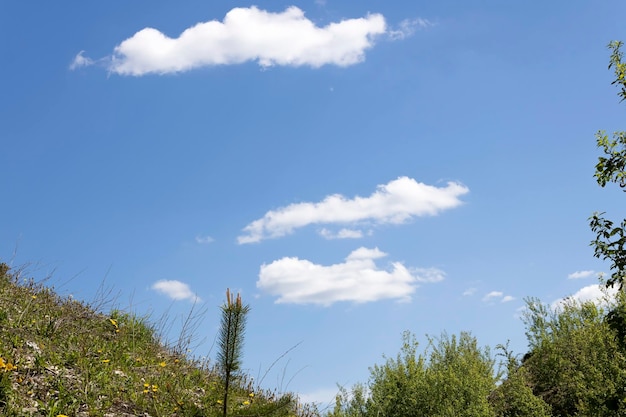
162, 364
246, 402
7, 366
251, 395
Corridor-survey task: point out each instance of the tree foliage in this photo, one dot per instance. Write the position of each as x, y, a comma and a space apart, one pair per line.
351, 403
610, 241
452, 378
514, 397
461, 376
399, 386
576, 363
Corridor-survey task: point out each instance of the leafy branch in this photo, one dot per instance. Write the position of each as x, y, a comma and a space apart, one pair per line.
610, 240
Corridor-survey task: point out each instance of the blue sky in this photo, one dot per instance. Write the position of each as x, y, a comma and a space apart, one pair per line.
354, 169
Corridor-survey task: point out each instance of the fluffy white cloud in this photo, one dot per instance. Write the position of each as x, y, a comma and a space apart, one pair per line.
581, 274
176, 290
507, 298
395, 202
342, 234
249, 34
358, 279
598, 294
495, 295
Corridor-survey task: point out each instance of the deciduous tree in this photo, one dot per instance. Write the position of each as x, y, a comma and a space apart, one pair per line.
610, 241
453, 377
576, 363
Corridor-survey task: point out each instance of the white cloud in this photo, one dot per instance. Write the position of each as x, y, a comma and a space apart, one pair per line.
204, 239
341, 234
408, 27
323, 397
581, 274
469, 291
428, 274
358, 279
81, 61
595, 293
249, 34
176, 290
395, 202
493, 295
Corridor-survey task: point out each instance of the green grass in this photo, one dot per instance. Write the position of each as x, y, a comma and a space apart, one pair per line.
60, 356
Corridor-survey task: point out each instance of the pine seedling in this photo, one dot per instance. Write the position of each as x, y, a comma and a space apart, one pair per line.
230, 341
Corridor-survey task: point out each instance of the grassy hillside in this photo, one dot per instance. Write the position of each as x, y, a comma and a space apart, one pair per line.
62, 357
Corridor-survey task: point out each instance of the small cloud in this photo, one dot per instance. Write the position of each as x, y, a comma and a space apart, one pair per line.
408, 27
81, 61
365, 253
176, 290
597, 294
396, 202
494, 295
469, 292
203, 240
342, 234
358, 279
428, 274
322, 397
581, 274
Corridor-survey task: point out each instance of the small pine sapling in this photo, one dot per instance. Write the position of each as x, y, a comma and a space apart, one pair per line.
230, 341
